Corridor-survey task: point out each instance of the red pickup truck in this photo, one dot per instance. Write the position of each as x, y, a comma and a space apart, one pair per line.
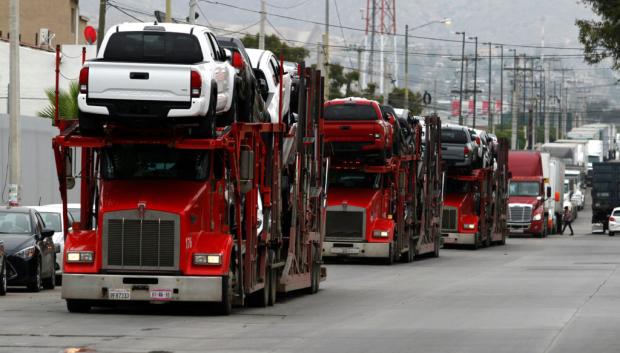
357, 126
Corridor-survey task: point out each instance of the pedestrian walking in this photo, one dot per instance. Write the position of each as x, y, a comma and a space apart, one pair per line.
567, 218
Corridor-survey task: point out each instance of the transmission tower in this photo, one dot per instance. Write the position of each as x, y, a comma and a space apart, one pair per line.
380, 18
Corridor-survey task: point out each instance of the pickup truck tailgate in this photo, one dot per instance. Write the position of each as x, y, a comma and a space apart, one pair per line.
139, 81
452, 152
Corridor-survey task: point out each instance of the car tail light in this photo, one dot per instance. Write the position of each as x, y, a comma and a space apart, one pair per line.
612, 219
478, 140
237, 60
195, 84
84, 80
466, 151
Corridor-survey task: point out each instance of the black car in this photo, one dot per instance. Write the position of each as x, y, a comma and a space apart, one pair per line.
2, 270
252, 107
30, 250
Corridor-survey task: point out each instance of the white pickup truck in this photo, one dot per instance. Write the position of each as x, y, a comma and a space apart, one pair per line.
157, 73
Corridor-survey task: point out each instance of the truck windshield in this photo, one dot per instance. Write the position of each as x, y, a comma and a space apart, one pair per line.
350, 112
453, 136
457, 187
126, 162
153, 47
15, 223
523, 188
52, 221
348, 179
593, 159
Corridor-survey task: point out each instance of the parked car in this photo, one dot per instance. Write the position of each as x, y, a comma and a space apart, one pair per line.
267, 70
31, 253
614, 222
357, 125
457, 146
3, 280
72, 208
251, 105
486, 149
149, 73
52, 216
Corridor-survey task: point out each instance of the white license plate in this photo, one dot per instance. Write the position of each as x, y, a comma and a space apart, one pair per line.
119, 294
161, 294
516, 230
348, 251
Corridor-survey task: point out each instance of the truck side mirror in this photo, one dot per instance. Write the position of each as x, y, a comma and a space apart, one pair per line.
557, 196
246, 169
548, 192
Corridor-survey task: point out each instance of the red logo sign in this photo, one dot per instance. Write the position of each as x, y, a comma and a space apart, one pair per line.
90, 33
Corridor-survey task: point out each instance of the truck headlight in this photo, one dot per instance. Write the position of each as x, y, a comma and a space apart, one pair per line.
537, 217
470, 226
26, 253
80, 256
380, 234
207, 259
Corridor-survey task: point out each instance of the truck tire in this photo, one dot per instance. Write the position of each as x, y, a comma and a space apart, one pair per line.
273, 287
224, 307
390, 258
437, 246
476, 244
260, 298
611, 234
231, 116
409, 256
315, 275
78, 306
50, 283
206, 124
90, 124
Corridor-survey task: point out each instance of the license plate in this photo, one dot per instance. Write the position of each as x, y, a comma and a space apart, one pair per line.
516, 230
119, 294
161, 294
347, 251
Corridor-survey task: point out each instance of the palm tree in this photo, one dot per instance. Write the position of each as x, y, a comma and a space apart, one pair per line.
67, 103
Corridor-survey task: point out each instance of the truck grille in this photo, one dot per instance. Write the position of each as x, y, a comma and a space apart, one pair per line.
349, 224
519, 214
449, 219
134, 243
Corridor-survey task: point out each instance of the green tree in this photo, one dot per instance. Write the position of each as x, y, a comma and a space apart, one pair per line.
397, 99
339, 79
67, 103
601, 37
276, 46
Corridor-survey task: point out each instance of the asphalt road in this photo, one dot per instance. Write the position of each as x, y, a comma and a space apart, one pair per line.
560, 294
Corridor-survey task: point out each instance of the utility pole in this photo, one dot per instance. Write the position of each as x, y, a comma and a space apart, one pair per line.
475, 78
406, 85
193, 4
101, 29
261, 31
326, 50
490, 114
168, 10
546, 100
501, 87
14, 114
461, 90
515, 105
372, 43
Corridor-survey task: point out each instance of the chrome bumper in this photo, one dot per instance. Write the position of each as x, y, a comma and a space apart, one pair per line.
459, 238
335, 249
183, 288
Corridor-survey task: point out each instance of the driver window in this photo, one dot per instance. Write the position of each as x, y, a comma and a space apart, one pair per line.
211, 48
216, 48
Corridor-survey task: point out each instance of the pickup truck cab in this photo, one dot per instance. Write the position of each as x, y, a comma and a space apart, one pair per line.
148, 73
267, 70
457, 148
358, 126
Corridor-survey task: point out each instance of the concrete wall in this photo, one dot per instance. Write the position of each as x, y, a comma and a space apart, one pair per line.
39, 180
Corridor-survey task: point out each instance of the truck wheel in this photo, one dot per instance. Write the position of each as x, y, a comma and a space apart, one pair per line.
476, 244
409, 256
611, 234
437, 246
390, 258
224, 307
50, 283
273, 287
206, 124
260, 298
78, 306
503, 241
231, 116
90, 124
315, 275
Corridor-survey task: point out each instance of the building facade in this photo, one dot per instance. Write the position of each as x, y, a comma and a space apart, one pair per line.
45, 23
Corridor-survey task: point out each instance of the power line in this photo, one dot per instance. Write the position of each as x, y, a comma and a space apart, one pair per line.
288, 7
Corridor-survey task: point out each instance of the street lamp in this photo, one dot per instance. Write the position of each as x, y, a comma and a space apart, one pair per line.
446, 21
461, 89
475, 78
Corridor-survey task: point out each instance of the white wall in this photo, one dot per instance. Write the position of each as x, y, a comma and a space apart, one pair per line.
37, 73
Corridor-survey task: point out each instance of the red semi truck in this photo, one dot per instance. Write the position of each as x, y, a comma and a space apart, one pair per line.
475, 204
222, 220
389, 210
527, 213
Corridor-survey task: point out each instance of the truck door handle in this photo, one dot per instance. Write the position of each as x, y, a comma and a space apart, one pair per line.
139, 75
